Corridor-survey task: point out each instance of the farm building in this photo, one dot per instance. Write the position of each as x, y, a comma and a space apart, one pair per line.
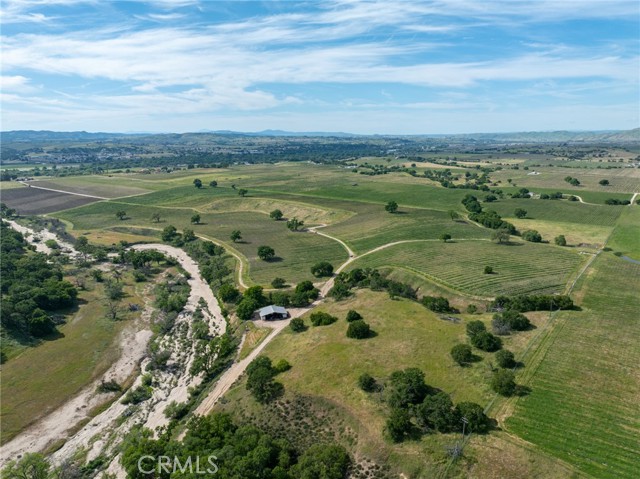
273, 312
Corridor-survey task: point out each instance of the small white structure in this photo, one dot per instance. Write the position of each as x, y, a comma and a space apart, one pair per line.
273, 312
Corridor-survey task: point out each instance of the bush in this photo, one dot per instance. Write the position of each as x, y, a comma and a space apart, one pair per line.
322, 269
488, 270
520, 213
278, 283
560, 240
472, 309
137, 395
513, 319
503, 382
486, 341
532, 235
297, 325
461, 354
358, 330
398, 424
367, 383
320, 318
505, 359
109, 387
353, 315
282, 366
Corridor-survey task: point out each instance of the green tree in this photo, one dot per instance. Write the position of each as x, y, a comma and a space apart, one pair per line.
603, 182
322, 269
461, 354
246, 308
391, 207
266, 253
228, 293
236, 236
477, 420
260, 381
437, 413
276, 215
121, 214
488, 270
501, 236
486, 341
353, 315
169, 233
322, 461
520, 213
278, 283
560, 240
398, 424
242, 192
453, 215
505, 359
188, 235
155, 217
406, 387
503, 382
445, 237
213, 183
195, 219
475, 327
197, 183
532, 235
320, 318
297, 325
358, 330
294, 224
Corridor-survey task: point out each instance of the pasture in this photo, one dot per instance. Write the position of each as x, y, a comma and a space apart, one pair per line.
583, 407
107, 186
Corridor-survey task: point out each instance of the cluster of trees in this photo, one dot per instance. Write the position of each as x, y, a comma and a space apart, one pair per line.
171, 235
572, 181
416, 408
538, 302
489, 218
211, 261
481, 338
303, 294
553, 196
240, 452
473, 181
320, 318
369, 278
614, 201
32, 288
437, 304
509, 320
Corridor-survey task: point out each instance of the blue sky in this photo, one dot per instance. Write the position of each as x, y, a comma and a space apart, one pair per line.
443, 66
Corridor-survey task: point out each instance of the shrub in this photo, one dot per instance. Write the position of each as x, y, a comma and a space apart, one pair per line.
503, 382
358, 330
398, 424
461, 354
520, 213
320, 318
278, 283
488, 270
406, 387
472, 309
109, 387
513, 319
367, 382
560, 240
532, 235
137, 395
353, 315
282, 366
505, 359
297, 325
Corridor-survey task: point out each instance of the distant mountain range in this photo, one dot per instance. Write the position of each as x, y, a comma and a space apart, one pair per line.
613, 136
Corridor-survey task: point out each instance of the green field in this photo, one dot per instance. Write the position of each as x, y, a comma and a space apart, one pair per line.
519, 268
583, 407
